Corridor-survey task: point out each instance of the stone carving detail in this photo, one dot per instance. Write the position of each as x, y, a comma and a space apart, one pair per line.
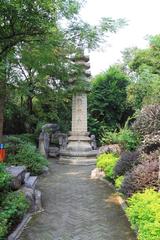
93, 142
79, 113
51, 140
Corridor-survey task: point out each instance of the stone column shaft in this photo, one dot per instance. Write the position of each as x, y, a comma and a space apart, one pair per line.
79, 114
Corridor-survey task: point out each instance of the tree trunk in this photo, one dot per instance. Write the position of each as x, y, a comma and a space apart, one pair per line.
29, 104
1, 118
2, 96
2, 102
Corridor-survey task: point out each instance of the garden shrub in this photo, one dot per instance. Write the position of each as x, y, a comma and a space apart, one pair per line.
126, 162
13, 144
128, 139
26, 137
5, 178
107, 162
144, 214
119, 181
144, 175
125, 137
148, 120
150, 143
13, 208
109, 138
29, 156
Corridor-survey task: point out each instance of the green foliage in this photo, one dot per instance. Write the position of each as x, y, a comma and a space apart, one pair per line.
144, 214
26, 23
5, 178
119, 181
125, 137
103, 105
128, 139
107, 162
29, 156
13, 144
143, 67
26, 137
37, 47
13, 207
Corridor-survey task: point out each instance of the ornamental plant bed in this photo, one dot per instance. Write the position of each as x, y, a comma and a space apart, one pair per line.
142, 210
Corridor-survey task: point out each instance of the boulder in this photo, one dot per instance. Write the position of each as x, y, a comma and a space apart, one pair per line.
31, 182
18, 176
97, 174
29, 194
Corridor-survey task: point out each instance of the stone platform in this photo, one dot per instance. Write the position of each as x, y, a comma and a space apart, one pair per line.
82, 160
78, 151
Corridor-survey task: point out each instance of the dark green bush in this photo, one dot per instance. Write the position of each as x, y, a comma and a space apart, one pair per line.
5, 178
126, 162
103, 106
26, 137
12, 144
29, 156
144, 214
13, 207
144, 175
107, 162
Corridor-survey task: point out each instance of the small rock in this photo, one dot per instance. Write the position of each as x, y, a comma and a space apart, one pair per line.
97, 174
31, 182
45, 170
29, 194
27, 175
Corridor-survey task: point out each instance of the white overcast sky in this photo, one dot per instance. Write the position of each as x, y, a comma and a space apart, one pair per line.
143, 19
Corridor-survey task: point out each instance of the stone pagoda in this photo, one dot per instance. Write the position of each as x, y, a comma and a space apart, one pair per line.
79, 150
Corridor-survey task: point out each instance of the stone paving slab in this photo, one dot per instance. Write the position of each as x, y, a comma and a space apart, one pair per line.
77, 208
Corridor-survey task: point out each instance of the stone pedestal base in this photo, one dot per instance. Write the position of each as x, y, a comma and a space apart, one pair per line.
78, 151
77, 159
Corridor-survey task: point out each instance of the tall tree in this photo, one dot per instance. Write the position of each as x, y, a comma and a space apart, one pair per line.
143, 66
107, 100
26, 21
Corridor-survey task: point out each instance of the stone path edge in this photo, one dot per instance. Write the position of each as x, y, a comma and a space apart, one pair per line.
121, 200
21, 226
19, 229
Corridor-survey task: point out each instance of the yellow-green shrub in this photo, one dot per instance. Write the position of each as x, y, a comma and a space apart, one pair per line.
107, 163
144, 214
118, 182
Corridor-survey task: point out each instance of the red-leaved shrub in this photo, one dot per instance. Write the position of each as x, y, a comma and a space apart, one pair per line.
144, 175
126, 162
148, 120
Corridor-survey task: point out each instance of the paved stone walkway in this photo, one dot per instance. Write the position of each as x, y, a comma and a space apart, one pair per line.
77, 208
